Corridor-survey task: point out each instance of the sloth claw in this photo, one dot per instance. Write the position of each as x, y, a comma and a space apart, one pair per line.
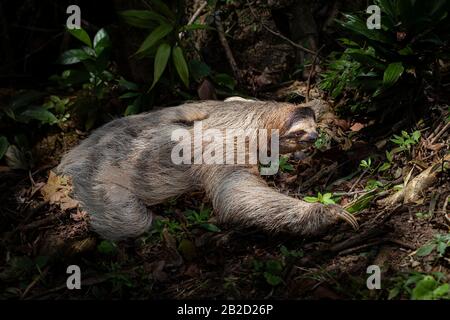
347, 217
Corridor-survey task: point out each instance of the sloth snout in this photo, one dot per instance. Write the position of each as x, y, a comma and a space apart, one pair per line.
310, 136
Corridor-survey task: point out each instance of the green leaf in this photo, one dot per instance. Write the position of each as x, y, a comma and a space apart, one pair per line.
210, 227
361, 203
74, 56
311, 199
107, 247
156, 35
181, 65
135, 107
442, 290
424, 289
142, 18
196, 26
199, 69
389, 156
128, 84
129, 95
41, 114
25, 98
274, 266
273, 280
385, 166
416, 136
225, 80
162, 8
392, 73
394, 292
326, 199
101, 41
3, 146
81, 35
358, 25
441, 248
161, 58
426, 250
131, 109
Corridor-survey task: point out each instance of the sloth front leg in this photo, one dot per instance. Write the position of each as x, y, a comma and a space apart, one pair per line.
243, 198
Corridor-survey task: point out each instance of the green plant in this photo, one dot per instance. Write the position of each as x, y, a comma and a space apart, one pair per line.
271, 270
406, 140
322, 141
440, 243
419, 286
94, 75
387, 164
379, 64
139, 99
366, 164
173, 227
164, 40
421, 215
107, 247
291, 253
201, 218
373, 184
59, 106
326, 198
18, 155
284, 165
26, 106
25, 110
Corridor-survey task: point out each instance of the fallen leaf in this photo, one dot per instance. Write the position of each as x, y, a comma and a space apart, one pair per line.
356, 127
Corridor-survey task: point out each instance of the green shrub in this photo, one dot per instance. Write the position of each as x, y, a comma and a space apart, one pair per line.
163, 43
93, 73
388, 67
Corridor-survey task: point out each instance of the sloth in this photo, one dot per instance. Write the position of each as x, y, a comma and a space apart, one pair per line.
126, 166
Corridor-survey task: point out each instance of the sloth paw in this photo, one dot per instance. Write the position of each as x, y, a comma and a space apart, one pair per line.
320, 217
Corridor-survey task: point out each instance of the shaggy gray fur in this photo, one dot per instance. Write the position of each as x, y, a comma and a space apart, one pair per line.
125, 166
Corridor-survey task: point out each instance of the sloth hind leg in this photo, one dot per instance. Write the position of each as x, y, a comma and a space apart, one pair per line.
118, 214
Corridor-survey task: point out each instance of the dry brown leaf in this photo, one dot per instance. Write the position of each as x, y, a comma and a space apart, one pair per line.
356, 127
57, 190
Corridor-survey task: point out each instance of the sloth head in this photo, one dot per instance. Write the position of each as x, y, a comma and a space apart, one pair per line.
300, 130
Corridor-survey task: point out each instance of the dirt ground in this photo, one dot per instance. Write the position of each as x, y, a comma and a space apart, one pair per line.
43, 230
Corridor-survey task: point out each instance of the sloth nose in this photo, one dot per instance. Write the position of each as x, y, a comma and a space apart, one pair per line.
311, 136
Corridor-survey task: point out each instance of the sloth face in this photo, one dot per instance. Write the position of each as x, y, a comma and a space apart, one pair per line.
301, 131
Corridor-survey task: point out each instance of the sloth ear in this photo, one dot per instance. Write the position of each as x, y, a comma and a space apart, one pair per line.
320, 107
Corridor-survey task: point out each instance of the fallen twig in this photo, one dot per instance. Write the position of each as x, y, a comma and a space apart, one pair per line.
279, 34
226, 47
311, 71
440, 133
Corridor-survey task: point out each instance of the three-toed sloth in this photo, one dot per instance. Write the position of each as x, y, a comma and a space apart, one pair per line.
128, 164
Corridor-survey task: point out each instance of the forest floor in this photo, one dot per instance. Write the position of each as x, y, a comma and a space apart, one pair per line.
186, 255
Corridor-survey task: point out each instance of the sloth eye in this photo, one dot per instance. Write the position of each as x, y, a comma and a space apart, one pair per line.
299, 133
